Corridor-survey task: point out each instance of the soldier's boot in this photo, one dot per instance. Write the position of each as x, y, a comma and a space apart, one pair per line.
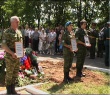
13, 89
65, 80
69, 78
8, 87
80, 74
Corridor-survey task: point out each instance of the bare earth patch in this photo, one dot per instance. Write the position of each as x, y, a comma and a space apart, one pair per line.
54, 72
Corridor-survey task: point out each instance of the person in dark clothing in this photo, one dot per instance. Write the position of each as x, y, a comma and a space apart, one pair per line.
26, 38
93, 34
100, 44
67, 51
35, 38
107, 43
82, 46
57, 40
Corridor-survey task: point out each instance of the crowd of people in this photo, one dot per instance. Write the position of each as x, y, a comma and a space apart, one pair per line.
49, 41
43, 41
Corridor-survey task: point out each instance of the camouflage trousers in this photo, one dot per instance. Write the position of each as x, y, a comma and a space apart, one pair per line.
68, 59
12, 68
81, 54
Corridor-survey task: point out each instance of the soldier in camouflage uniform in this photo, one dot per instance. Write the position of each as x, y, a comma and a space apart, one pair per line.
10, 36
81, 53
67, 51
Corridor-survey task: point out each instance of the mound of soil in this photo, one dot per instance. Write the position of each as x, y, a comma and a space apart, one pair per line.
54, 72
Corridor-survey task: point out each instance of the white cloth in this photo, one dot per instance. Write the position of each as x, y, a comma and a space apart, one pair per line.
31, 33
39, 31
26, 32
41, 36
51, 36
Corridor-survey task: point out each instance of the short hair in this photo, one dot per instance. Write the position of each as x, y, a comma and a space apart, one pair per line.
14, 18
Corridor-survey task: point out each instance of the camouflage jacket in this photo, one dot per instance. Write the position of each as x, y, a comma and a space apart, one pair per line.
80, 33
11, 36
66, 40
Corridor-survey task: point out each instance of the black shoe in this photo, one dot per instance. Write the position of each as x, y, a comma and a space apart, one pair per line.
83, 75
8, 87
97, 55
107, 65
101, 56
92, 57
70, 79
13, 89
65, 81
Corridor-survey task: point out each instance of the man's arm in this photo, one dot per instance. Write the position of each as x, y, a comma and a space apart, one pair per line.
80, 42
64, 42
5, 47
77, 36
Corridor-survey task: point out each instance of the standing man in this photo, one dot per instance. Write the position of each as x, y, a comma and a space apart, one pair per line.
57, 41
93, 34
10, 36
26, 34
35, 40
42, 41
100, 44
67, 51
81, 54
107, 43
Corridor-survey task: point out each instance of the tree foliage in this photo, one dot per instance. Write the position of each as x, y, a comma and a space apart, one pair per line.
53, 12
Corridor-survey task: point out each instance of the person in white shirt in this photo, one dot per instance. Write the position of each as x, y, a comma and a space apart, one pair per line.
31, 31
35, 40
42, 41
51, 39
26, 34
40, 29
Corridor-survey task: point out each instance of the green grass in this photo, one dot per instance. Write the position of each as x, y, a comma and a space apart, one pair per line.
75, 88
78, 88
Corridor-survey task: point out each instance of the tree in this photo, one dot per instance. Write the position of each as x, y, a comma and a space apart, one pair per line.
54, 12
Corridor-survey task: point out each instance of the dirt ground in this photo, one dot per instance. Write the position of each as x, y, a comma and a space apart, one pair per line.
54, 72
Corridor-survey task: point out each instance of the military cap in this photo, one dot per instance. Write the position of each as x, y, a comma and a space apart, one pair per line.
68, 23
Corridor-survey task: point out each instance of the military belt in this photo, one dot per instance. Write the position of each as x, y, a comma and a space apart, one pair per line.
12, 49
107, 38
